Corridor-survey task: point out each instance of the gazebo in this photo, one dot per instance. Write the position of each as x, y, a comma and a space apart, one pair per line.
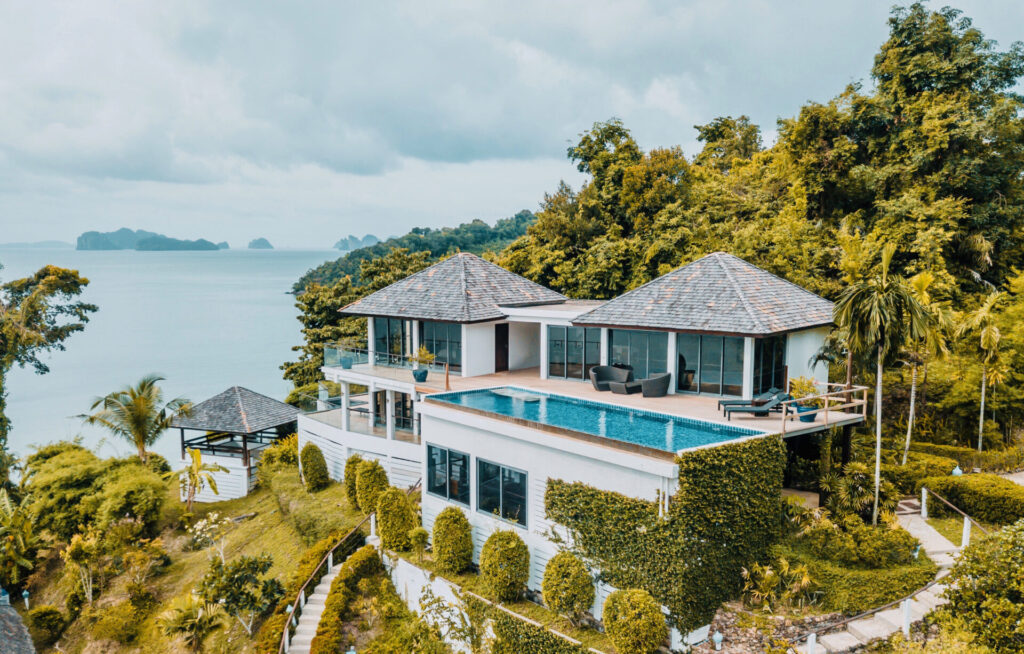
236, 426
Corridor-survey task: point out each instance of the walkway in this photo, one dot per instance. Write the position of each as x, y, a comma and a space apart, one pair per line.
309, 619
883, 624
1016, 477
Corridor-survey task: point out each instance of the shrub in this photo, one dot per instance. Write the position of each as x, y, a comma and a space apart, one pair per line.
371, 481
45, 624
395, 517
418, 539
919, 466
283, 452
567, 586
776, 585
314, 468
118, 622
505, 564
634, 622
61, 477
984, 497
850, 542
452, 541
1005, 460
127, 491
157, 463
364, 563
351, 473
985, 589
513, 635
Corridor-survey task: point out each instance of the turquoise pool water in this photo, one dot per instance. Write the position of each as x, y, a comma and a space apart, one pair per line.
648, 428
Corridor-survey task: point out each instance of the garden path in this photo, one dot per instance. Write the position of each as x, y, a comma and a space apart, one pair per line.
1016, 477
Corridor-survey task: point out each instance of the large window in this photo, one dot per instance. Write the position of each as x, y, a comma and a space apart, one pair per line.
404, 416
444, 341
573, 351
390, 341
448, 474
769, 363
646, 352
709, 364
501, 491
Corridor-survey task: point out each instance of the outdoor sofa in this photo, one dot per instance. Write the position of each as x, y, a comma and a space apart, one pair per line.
602, 376
653, 386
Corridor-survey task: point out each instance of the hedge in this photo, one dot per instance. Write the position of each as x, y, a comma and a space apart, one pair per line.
371, 481
634, 622
919, 466
351, 473
505, 564
314, 468
452, 541
726, 513
854, 590
330, 636
984, 497
395, 519
1010, 459
514, 635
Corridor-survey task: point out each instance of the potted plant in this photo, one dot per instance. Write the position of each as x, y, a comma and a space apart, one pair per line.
801, 388
423, 357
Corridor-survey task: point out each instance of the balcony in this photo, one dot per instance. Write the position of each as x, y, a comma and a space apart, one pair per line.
331, 411
340, 356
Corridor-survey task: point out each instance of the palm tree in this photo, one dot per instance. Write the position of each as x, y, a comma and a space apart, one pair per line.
137, 413
879, 314
982, 323
193, 620
196, 476
933, 343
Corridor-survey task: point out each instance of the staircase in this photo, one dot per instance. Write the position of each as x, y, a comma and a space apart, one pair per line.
310, 616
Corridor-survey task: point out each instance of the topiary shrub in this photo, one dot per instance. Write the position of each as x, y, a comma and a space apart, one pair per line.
567, 587
505, 565
395, 518
45, 624
351, 473
314, 468
371, 481
452, 541
634, 622
984, 497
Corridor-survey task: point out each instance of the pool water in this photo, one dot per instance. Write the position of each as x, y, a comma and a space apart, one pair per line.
648, 428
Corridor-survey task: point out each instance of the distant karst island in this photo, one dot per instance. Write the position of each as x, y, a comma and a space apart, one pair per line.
353, 242
260, 244
128, 239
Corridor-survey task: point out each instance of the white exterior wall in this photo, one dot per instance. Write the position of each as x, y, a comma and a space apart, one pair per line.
523, 345
478, 349
402, 461
800, 347
231, 485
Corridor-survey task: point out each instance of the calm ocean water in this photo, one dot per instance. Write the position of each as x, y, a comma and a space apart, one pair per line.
204, 320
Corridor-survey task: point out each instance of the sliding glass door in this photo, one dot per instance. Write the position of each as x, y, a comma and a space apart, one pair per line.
645, 351
769, 364
573, 351
709, 364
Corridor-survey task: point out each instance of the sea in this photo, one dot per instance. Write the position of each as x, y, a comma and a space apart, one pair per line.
205, 321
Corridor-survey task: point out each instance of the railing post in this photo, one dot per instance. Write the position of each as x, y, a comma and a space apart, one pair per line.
924, 502
373, 525
965, 539
330, 561
812, 644
906, 617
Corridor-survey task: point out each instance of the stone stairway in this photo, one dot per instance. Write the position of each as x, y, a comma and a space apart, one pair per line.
310, 616
883, 624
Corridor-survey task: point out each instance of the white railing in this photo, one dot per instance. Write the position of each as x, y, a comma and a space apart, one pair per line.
838, 400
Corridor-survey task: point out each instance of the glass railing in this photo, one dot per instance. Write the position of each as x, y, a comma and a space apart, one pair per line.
340, 356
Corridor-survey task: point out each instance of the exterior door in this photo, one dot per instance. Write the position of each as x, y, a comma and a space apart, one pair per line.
501, 347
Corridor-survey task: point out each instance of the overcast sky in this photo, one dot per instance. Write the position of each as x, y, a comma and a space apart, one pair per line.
306, 121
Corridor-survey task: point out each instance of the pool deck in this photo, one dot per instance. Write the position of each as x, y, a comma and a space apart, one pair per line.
685, 405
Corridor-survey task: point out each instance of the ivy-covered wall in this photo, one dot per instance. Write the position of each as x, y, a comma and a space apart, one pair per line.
725, 514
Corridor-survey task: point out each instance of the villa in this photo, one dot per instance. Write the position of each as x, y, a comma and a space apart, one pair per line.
511, 397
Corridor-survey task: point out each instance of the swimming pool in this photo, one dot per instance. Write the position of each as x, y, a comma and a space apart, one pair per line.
658, 431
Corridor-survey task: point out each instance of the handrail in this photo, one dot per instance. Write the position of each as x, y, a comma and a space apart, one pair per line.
843, 396
950, 505
296, 606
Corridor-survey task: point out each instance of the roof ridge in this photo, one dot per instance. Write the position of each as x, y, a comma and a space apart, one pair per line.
739, 291
241, 409
465, 287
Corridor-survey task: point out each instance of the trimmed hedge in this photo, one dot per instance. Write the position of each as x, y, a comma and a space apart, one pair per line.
351, 473
1010, 459
516, 635
395, 519
314, 468
727, 513
984, 497
505, 564
634, 622
371, 481
853, 590
919, 466
567, 587
330, 636
452, 541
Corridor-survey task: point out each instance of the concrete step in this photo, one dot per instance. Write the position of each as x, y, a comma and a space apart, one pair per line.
869, 629
306, 628
893, 617
841, 641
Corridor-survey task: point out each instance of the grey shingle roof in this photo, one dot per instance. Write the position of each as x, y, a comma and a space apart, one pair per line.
239, 411
463, 288
719, 293
13, 633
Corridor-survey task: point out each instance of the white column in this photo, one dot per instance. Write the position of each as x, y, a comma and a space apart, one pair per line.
371, 404
369, 338
604, 346
543, 351
415, 326
673, 361
390, 414
748, 368
346, 403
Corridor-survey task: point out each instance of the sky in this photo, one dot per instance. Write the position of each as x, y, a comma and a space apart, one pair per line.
304, 122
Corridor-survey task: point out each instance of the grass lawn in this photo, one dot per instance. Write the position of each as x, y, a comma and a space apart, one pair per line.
952, 528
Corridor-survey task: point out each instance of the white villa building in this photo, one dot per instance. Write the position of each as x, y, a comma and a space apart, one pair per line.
508, 402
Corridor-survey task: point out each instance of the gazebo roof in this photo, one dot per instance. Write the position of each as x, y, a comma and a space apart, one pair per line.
238, 411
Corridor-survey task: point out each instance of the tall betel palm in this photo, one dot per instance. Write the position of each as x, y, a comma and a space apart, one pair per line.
880, 314
196, 476
934, 343
137, 413
982, 323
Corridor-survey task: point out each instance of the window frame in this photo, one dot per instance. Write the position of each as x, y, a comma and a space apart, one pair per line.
525, 524
448, 474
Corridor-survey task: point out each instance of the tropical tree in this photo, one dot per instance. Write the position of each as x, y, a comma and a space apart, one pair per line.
241, 587
138, 413
19, 542
933, 343
193, 621
196, 476
83, 559
880, 314
981, 323
37, 314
